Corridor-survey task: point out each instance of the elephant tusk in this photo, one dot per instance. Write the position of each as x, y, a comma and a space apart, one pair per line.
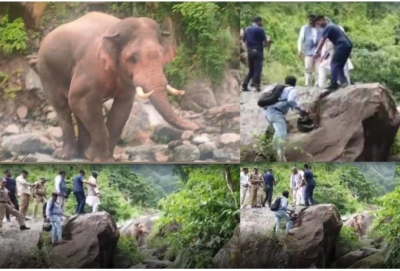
175, 91
140, 93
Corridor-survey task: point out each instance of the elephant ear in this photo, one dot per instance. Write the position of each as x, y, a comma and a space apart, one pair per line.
109, 49
168, 41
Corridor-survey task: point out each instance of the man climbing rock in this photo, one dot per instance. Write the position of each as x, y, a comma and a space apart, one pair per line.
310, 185
276, 106
269, 181
255, 180
24, 192
244, 185
61, 188
39, 195
255, 39
6, 206
280, 211
342, 50
11, 186
53, 216
309, 38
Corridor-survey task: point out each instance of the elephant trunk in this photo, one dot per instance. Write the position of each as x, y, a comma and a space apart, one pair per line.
156, 91
161, 103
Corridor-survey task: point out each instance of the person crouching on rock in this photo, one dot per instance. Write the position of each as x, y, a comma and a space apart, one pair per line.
53, 216
6, 206
281, 212
276, 113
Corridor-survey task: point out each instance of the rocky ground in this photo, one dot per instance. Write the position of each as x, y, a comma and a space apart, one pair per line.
30, 131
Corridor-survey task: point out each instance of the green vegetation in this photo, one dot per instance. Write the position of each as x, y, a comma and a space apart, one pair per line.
371, 27
13, 36
203, 200
389, 224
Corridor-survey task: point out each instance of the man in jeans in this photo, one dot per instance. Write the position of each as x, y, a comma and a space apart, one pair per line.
53, 216
281, 213
11, 186
275, 114
310, 185
269, 181
255, 39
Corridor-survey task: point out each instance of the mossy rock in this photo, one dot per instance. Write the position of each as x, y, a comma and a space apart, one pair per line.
376, 261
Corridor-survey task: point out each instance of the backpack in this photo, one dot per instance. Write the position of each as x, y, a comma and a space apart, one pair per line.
276, 204
271, 97
45, 206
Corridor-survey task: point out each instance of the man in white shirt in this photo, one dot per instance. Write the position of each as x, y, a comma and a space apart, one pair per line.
300, 195
92, 198
244, 185
294, 179
309, 37
24, 192
60, 188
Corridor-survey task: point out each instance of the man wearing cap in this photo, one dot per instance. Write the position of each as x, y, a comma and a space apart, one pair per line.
24, 192
61, 189
11, 186
255, 180
39, 195
93, 196
6, 205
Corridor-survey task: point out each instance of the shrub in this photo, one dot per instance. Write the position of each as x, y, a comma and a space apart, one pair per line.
13, 37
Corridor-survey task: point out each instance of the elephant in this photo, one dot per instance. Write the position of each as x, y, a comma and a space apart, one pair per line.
99, 57
139, 232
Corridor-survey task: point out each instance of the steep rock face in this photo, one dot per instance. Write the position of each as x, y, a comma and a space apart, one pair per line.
311, 243
229, 255
357, 123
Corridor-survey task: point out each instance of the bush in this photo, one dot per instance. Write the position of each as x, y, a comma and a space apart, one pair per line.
13, 37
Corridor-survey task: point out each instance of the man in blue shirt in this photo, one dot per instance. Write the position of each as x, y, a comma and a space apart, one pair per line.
255, 39
79, 192
282, 213
342, 50
269, 181
11, 186
275, 114
310, 185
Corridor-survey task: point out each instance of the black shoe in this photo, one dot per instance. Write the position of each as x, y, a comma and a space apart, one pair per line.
344, 85
245, 88
332, 87
24, 228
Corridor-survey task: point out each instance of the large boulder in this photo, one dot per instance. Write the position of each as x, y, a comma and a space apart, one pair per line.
229, 255
351, 258
92, 242
311, 243
357, 123
375, 261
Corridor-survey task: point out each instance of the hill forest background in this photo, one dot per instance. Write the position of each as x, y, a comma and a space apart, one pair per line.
371, 26
353, 188
202, 199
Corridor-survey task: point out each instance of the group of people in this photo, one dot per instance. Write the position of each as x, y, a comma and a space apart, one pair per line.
301, 183
324, 46
15, 198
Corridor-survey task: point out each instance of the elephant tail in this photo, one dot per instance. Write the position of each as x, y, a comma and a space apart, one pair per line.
32, 62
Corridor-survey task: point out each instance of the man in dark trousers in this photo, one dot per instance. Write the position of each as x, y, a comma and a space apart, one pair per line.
342, 50
79, 192
255, 39
310, 186
269, 181
11, 186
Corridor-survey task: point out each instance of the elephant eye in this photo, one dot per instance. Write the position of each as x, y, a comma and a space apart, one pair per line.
133, 58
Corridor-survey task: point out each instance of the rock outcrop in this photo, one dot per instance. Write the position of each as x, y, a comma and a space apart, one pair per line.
357, 123
229, 255
92, 240
353, 257
311, 243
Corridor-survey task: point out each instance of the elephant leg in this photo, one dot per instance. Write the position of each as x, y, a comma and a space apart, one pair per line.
56, 93
117, 117
83, 138
86, 105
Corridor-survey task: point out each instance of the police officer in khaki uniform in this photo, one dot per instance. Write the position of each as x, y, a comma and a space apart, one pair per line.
6, 205
255, 180
39, 195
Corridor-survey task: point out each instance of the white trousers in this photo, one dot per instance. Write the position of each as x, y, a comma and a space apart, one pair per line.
243, 194
323, 75
310, 68
300, 196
